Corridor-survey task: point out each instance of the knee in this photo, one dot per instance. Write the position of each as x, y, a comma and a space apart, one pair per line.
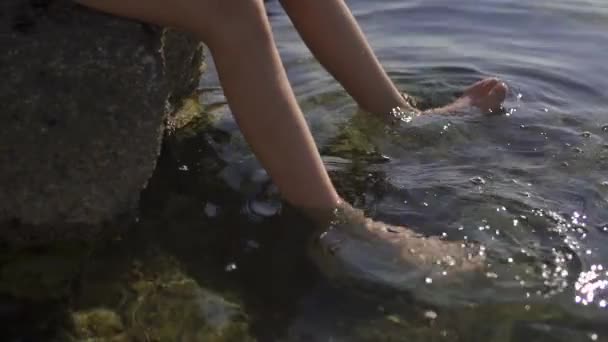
227, 21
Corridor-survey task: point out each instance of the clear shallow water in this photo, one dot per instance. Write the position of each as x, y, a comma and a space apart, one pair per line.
542, 208
529, 186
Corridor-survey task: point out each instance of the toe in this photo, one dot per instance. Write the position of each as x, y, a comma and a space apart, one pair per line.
499, 92
496, 97
482, 87
489, 83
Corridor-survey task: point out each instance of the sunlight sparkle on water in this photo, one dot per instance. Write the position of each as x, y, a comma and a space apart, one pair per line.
590, 285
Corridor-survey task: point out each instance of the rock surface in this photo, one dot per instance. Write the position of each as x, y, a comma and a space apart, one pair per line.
86, 98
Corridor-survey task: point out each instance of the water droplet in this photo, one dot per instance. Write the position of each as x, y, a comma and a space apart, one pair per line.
565, 164
577, 150
230, 267
515, 223
604, 183
478, 180
183, 168
605, 128
519, 96
586, 134
593, 336
603, 303
546, 110
510, 260
428, 280
527, 307
492, 275
425, 204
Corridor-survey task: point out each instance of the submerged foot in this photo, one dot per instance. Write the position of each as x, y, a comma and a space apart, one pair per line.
394, 257
486, 95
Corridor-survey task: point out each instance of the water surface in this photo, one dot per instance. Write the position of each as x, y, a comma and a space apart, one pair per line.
530, 185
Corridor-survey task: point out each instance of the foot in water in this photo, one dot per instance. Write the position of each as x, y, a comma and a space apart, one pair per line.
486, 95
393, 257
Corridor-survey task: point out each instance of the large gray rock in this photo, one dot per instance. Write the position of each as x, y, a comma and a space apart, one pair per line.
85, 100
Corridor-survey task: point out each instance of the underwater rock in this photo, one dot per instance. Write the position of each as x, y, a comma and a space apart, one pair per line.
155, 300
97, 323
86, 98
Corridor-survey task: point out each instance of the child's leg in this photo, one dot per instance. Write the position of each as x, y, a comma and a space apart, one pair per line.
331, 32
333, 35
239, 36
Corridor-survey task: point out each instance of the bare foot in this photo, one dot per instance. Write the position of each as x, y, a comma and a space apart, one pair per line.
487, 95
355, 247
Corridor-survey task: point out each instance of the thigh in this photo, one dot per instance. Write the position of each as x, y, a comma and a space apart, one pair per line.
159, 12
203, 17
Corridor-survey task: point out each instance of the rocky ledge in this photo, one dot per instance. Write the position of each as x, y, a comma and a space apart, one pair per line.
86, 99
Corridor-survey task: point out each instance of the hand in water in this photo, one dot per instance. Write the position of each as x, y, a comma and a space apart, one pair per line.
486, 95
358, 247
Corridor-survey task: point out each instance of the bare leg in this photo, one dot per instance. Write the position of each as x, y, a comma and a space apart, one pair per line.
256, 86
337, 41
334, 37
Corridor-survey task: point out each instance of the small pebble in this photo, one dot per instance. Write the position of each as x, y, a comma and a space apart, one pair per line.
264, 209
393, 318
211, 210
252, 244
492, 275
430, 314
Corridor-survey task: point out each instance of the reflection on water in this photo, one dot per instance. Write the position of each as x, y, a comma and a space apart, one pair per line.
216, 255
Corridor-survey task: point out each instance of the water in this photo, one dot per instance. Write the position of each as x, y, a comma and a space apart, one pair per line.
530, 186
